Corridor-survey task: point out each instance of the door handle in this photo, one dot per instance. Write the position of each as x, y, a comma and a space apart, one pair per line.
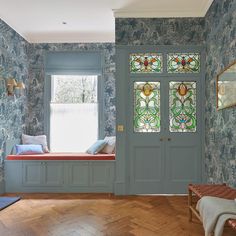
169, 139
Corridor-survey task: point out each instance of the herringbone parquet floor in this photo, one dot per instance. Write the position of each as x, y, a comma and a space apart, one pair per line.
98, 215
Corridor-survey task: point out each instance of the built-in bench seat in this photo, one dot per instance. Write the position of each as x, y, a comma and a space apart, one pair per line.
60, 172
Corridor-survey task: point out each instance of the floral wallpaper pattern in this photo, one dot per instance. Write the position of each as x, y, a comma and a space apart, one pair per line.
37, 52
220, 145
159, 31
13, 63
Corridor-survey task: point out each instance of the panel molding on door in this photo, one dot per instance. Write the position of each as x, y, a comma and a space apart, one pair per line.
164, 158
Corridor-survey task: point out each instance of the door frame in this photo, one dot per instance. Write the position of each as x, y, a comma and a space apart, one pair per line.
123, 83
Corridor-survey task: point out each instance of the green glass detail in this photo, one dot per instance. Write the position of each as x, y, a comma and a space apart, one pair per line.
147, 107
182, 106
183, 63
145, 63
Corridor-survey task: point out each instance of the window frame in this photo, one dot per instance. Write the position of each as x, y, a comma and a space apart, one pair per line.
48, 96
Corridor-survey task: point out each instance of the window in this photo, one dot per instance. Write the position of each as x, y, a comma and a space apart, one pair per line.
73, 112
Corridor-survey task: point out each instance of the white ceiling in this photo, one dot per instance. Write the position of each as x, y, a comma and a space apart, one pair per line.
87, 20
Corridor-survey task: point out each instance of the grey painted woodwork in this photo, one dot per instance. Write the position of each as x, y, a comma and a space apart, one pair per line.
42, 173
79, 174
32, 174
59, 176
161, 162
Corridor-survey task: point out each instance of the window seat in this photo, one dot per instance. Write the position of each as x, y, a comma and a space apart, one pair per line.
60, 172
62, 157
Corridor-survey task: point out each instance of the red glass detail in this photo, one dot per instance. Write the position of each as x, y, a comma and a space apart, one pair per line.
183, 62
145, 62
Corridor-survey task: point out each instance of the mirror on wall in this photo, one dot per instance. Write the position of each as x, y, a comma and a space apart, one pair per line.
226, 87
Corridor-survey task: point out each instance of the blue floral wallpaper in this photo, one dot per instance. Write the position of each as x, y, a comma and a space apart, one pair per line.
159, 31
37, 52
13, 63
220, 147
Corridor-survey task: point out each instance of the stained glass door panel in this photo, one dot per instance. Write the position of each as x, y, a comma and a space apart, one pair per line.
182, 107
145, 63
183, 63
160, 105
147, 107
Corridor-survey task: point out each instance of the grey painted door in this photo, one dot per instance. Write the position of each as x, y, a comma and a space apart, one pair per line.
167, 160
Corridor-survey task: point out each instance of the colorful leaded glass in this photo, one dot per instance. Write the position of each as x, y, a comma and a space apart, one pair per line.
183, 63
147, 107
182, 106
145, 63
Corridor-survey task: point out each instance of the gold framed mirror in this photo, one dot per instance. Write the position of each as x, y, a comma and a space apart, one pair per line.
226, 87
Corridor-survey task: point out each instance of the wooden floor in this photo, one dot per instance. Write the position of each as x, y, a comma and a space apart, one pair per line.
98, 214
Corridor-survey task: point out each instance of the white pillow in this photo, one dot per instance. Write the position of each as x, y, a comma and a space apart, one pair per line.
110, 145
40, 139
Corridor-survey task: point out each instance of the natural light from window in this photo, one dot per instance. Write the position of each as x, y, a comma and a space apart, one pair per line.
73, 113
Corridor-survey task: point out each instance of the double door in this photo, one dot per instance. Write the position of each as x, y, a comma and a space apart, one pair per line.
164, 119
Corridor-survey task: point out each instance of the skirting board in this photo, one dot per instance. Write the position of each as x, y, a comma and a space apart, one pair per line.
119, 188
2, 187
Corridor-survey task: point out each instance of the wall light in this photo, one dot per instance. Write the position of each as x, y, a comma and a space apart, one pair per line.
19, 89
14, 87
11, 83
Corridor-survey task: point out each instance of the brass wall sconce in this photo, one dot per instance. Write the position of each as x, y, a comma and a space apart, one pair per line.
19, 89
14, 87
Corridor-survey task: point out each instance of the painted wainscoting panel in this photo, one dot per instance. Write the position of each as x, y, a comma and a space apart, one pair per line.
32, 174
220, 145
59, 176
78, 174
53, 173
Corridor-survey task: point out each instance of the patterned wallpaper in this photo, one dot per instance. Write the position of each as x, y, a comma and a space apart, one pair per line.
156, 31
13, 63
220, 125
37, 52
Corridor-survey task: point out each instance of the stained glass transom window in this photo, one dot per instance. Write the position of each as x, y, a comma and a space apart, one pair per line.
183, 63
182, 106
145, 63
147, 107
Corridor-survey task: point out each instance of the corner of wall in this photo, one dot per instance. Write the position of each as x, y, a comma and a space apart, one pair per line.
2, 186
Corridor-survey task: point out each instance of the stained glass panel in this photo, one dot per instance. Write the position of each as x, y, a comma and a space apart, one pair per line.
182, 106
183, 63
147, 107
145, 63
